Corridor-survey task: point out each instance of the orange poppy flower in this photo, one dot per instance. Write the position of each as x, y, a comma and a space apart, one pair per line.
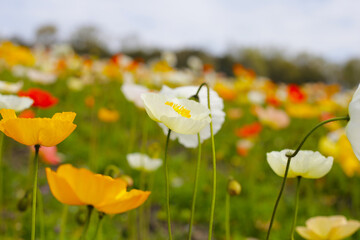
75, 186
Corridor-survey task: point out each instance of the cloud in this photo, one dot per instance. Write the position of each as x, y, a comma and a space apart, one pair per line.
329, 28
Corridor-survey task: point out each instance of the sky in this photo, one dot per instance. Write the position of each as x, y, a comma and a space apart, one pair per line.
327, 28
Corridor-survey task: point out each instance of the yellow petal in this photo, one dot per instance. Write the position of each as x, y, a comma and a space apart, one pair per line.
53, 132
307, 233
23, 130
61, 190
126, 202
344, 231
323, 225
64, 116
7, 114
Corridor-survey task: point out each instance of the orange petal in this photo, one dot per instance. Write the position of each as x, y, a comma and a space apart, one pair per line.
126, 202
61, 190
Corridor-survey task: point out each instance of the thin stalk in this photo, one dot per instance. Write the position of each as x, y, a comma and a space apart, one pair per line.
167, 189
98, 226
41, 215
132, 132
347, 118
132, 225
279, 197
296, 206
227, 216
33, 210
148, 205
213, 199
195, 187
1, 168
1, 173
63, 222
87, 222
141, 209
144, 135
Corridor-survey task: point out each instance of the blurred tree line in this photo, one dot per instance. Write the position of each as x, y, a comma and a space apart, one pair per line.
272, 63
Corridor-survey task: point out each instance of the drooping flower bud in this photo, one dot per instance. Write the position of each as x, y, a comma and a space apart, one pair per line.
233, 187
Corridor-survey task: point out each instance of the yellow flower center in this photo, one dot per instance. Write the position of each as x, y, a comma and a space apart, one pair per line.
179, 109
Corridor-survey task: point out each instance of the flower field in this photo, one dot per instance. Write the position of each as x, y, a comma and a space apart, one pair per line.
128, 149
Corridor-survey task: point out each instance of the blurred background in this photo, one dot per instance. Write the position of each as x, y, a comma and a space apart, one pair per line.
287, 41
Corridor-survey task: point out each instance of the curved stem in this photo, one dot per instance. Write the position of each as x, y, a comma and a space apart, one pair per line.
296, 206
347, 118
167, 189
87, 222
279, 197
195, 187
227, 216
288, 165
33, 210
213, 199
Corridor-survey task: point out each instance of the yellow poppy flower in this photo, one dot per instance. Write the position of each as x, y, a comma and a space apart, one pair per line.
75, 186
37, 131
107, 115
333, 227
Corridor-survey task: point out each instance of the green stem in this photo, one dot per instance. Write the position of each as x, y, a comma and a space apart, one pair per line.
1, 168
195, 187
41, 215
227, 216
141, 208
296, 207
144, 135
33, 210
347, 118
288, 165
148, 205
63, 222
87, 222
279, 197
132, 132
214, 165
98, 226
167, 189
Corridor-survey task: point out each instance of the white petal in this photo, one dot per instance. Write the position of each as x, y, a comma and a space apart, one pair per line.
352, 129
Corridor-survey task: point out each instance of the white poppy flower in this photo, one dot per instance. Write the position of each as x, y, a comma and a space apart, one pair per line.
41, 77
14, 102
180, 115
132, 93
143, 162
217, 113
352, 129
307, 164
10, 87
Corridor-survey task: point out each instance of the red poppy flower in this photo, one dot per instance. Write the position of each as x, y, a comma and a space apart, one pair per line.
249, 130
295, 94
28, 113
273, 101
42, 99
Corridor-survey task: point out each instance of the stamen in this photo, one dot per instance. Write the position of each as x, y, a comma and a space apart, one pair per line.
179, 109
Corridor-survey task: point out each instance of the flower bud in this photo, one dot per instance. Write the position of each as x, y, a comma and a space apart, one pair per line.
24, 202
128, 180
234, 187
